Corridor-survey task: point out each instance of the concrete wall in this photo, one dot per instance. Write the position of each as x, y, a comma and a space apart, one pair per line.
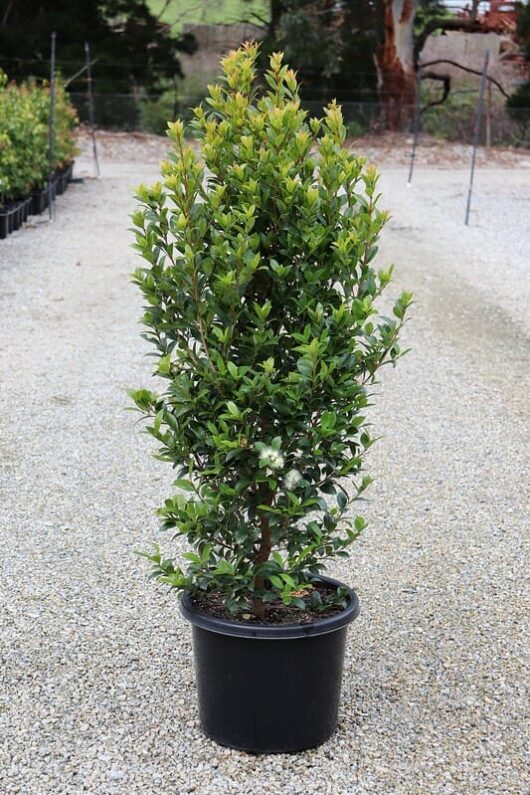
469, 49
213, 42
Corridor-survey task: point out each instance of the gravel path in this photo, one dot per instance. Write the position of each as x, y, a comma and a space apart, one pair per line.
96, 670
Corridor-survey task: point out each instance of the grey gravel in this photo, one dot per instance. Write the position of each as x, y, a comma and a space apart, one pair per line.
97, 691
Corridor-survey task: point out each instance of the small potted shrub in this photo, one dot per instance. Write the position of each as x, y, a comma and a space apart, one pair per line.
24, 148
260, 297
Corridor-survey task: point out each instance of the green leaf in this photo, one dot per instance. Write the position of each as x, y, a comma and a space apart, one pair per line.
360, 523
184, 485
232, 408
164, 365
192, 556
341, 500
232, 369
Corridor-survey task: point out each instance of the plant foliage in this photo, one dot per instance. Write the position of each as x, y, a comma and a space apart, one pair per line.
260, 297
24, 141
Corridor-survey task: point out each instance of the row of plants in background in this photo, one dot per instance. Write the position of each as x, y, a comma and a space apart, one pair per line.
24, 149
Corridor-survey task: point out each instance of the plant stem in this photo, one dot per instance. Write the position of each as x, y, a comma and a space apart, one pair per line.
264, 552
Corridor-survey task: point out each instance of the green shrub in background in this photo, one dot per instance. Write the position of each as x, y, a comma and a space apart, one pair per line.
65, 122
519, 110
24, 115
354, 129
454, 119
155, 111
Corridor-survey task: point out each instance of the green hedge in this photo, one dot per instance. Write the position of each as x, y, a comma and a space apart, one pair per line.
24, 115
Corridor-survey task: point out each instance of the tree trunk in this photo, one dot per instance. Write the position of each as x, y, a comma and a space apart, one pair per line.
395, 65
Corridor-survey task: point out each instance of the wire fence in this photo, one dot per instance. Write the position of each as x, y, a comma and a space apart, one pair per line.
451, 121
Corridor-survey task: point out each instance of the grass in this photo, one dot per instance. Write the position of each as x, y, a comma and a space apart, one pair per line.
211, 12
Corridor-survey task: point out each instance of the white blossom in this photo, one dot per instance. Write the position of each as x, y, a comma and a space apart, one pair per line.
272, 458
292, 478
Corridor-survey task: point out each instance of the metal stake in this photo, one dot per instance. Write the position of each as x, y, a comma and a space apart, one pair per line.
51, 129
488, 118
477, 133
416, 128
91, 109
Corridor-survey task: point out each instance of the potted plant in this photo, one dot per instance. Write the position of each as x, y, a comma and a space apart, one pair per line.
260, 290
24, 149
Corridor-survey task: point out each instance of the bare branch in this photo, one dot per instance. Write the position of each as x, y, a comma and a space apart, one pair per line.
6, 13
186, 13
80, 72
262, 20
162, 11
466, 69
446, 80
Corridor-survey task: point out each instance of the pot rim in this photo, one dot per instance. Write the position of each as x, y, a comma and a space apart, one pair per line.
240, 629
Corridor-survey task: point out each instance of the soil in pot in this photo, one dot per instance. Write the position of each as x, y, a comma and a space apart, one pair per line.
211, 603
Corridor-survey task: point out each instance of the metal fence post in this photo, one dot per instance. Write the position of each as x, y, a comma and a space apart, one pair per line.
91, 108
51, 128
416, 128
477, 133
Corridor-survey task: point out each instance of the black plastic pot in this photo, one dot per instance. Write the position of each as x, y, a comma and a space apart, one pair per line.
39, 201
14, 216
67, 174
59, 182
269, 688
24, 209
4, 223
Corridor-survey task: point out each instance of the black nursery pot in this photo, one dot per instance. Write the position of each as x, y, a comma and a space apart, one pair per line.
14, 216
25, 205
269, 688
39, 201
4, 223
59, 181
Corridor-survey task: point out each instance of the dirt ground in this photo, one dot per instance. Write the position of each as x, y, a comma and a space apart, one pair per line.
388, 148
